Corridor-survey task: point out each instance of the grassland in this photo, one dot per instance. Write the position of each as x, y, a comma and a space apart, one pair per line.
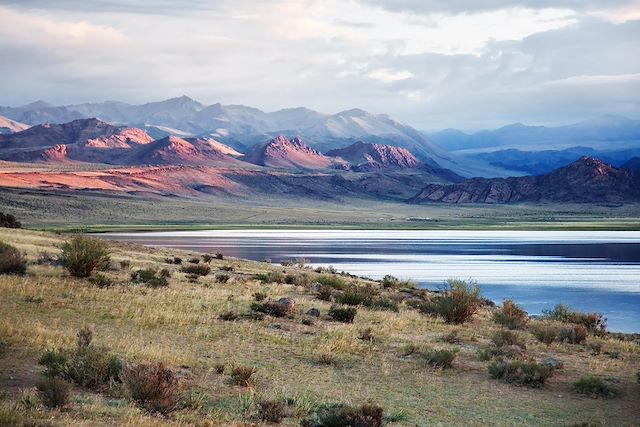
87, 211
179, 324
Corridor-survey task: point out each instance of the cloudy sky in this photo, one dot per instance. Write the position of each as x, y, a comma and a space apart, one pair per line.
463, 63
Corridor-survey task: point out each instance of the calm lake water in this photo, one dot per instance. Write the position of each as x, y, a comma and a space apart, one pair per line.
586, 270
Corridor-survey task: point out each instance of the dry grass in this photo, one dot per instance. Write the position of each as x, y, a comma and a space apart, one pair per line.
180, 325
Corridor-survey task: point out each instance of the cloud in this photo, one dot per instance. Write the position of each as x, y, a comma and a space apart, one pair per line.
434, 69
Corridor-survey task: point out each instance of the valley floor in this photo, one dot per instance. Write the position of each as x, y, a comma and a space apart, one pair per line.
96, 211
180, 325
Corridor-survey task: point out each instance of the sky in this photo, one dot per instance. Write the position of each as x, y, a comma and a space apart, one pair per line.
433, 64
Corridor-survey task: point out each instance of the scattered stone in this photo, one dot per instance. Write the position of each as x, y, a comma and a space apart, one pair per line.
288, 303
314, 312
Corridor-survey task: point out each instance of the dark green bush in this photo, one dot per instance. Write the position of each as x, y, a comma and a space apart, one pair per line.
177, 260
426, 308
100, 280
440, 358
460, 301
53, 391
271, 411
334, 281
594, 322
149, 277
194, 260
222, 278
517, 372
196, 269
270, 277
55, 363
153, 387
82, 256
9, 221
389, 281
242, 375
544, 333
385, 304
340, 415
511, 315
345, 315
297, 279
355, 295
593, 386
270, 308
11, 260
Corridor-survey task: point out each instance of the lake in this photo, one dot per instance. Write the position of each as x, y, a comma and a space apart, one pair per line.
586, 270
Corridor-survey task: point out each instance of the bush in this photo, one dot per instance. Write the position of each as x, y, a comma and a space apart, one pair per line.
229, 316
325, 292
593, 386
207, 258
426, 308
194, 260
55, 363
196, 269
82, 255
270, 308
53, 391
506, 338
440, 358
149, 277
152, 387
297, 279
165, 272
226, 268
327, 359
242, 375
544, 333
511, 315
177, 260
9, 221
11, 260
389, 281
259, 296
355, 296
460, 301
100, 280
575, 335
222, 278
333, 281
339, 415
219, 255
525, 373
271, 411
594, 322
345, 315
84, 337
385, 304
366, 335
270, 277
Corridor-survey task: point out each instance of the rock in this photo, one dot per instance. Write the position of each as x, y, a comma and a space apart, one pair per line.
288, 303
313, 312
315, 287
553, 362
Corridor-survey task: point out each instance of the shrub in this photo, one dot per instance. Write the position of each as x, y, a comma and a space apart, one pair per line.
9, 221
506, 338
152, 387
270, 277
366, 335
53, 391
149, 277
242, 375
165, 272
426, 308
222, 278
219, 368
460, 301
451, 338
55, 363
219, 255
194, 260
259, 296
177, 260
574, 335
510, 315
84, 337
271, 411
345, 315
339, 415
389, 281
325, 292
207, 258
440, 358
544, 333
226, 268
594, 322
355, 296
196, 269
385, 304
593, 386
11, 260
327, 359
297, 279
125, 264
229, 316
92, 367
100, 280
526, 373
270, 308
333, 281
82, 255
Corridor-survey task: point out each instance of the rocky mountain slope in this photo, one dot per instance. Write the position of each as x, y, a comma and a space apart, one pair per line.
586, 180
376, 157
282, 152
8, 126
632, 164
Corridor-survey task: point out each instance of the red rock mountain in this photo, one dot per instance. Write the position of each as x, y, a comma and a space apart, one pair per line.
585, 180
281, 152
376, 157
172, 150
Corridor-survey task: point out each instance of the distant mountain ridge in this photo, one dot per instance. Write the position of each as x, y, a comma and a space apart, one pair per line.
586, 180
370, 157
240, 126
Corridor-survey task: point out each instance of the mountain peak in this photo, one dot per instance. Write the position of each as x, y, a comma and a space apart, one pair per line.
284, 152
367, 156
